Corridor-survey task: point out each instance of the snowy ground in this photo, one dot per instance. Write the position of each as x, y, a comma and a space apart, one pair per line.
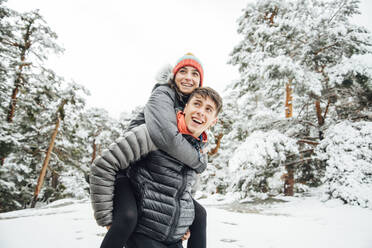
299, 222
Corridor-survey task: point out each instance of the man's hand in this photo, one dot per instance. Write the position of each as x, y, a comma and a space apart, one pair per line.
186, 236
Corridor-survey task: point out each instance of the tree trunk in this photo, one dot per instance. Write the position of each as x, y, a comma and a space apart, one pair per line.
55, 180
19, 79
319, 117
2, 160
40, 181
288, 100
13, 101
311, 142
289, 181
94, 154
218, 144
319, 113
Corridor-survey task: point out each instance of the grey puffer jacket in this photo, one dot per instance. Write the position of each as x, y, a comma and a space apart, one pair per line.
134, 145
162, 132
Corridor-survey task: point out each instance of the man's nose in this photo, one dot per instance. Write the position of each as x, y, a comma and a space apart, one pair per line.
201, 111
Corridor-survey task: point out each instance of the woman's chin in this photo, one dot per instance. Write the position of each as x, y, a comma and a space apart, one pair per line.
186, 90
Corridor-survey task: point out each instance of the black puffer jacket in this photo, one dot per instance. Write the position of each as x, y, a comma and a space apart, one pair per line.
162, 186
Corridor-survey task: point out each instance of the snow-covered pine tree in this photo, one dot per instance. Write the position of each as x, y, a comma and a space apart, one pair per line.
66, 172
24, 48
5, 86
346, 150
30, 45
98, 130
310, 45
32, 100
5, 34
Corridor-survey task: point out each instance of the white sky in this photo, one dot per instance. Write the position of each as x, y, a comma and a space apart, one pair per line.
115, 48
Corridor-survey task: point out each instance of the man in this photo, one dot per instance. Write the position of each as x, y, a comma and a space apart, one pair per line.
162, 184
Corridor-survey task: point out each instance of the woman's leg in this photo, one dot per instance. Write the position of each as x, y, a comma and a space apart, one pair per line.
124, 215
198, 229
138, 240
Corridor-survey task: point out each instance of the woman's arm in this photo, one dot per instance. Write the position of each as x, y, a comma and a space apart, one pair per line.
124, 151
161, 122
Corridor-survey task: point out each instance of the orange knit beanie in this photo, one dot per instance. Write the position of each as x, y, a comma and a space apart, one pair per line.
189, 60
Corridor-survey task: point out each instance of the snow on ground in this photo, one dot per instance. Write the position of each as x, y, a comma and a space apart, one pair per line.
295, 222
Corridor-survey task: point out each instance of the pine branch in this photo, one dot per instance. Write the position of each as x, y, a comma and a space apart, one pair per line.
308, 123
326, 110
308, 142
299, 161
337, 11
324, 48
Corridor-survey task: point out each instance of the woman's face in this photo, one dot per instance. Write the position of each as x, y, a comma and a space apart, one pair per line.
187, 79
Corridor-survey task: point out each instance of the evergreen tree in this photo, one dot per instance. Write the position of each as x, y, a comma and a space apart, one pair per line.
32, 42
309, 44
24, 48
5, 34
64, 149
98, 130
346, 150
27, 120
312, 47
5, 86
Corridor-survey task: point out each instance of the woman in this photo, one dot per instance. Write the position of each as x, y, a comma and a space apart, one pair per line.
161, 124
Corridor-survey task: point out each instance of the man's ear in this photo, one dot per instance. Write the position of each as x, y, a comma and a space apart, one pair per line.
214, 122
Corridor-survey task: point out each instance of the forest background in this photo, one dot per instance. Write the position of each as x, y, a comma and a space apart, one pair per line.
297, 117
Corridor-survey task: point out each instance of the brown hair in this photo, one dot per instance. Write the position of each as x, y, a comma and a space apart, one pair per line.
211, 93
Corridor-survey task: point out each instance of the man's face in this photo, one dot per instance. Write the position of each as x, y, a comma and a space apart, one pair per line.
200, 114
187, 79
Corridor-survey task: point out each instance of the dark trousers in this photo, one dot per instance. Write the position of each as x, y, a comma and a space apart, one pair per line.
124, 215
125, 220
198, 229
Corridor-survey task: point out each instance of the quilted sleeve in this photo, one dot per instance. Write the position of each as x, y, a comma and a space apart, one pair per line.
161, 123
124, 151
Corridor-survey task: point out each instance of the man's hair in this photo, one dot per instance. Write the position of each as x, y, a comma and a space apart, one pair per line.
208, 92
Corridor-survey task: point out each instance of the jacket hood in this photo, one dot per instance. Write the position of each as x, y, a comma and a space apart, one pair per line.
164, 74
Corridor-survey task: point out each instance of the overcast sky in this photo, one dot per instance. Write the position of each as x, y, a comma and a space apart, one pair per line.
115, 48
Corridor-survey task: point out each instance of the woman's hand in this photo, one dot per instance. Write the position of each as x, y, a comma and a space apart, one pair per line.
186, 236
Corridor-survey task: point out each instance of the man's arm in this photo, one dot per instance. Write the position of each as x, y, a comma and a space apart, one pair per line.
161, 123
124, 151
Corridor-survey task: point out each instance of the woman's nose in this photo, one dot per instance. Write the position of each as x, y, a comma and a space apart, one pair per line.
189, 76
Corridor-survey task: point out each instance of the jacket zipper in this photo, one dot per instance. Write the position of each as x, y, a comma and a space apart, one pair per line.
177, 215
